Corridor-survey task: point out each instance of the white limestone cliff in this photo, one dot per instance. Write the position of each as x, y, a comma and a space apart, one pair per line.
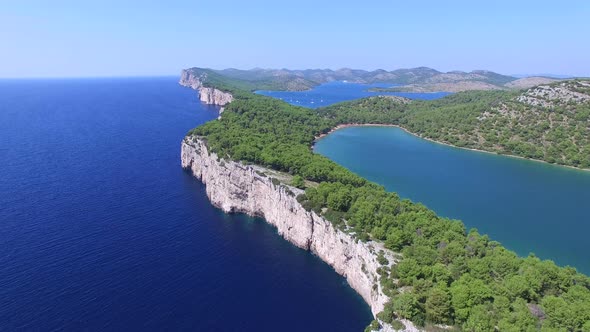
235, 187
206, 94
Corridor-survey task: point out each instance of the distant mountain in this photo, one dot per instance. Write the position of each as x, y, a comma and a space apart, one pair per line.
527, 82
414, 79
555, 76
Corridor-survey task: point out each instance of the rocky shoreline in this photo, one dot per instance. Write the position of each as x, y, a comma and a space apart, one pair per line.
237, 188
234, 187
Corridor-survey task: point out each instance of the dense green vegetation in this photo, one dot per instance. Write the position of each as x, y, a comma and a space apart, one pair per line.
556, 132
448, 275
245, 81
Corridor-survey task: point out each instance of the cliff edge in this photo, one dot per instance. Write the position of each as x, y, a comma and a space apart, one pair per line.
207, 95
235, 187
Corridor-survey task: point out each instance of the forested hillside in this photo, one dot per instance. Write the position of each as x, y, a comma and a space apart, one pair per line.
447, 275
548, 122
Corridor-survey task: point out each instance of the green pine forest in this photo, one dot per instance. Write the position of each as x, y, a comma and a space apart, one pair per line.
447, 275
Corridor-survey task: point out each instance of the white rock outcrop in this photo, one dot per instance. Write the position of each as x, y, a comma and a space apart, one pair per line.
235, 187
552, 95
206, 94
214, 97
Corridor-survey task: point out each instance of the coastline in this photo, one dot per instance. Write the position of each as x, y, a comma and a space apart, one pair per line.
348, 125
235, 187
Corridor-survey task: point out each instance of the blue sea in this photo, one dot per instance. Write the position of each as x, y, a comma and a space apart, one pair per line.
338, 91
101, 229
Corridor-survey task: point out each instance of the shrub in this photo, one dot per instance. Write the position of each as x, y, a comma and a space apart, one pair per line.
298, 182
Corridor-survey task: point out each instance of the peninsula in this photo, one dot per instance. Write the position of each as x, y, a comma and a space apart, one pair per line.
414, 268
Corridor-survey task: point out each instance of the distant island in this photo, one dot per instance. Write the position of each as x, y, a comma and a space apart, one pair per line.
459, 81
421, 79
415, 269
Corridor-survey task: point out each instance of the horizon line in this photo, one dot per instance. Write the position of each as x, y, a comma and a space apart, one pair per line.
115, 76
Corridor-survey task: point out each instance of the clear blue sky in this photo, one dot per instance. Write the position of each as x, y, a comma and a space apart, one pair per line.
128, 38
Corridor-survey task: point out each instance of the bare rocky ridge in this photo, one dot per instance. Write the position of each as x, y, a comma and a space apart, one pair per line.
458, 83
529, 82
234, 187
556, 94
455, 86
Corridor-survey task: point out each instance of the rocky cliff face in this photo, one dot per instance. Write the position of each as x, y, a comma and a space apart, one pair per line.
234, 187
207, 95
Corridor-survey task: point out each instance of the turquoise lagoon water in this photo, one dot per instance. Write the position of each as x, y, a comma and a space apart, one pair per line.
526, 205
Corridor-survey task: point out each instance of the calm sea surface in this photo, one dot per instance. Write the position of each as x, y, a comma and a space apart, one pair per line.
334, 92
101, 229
